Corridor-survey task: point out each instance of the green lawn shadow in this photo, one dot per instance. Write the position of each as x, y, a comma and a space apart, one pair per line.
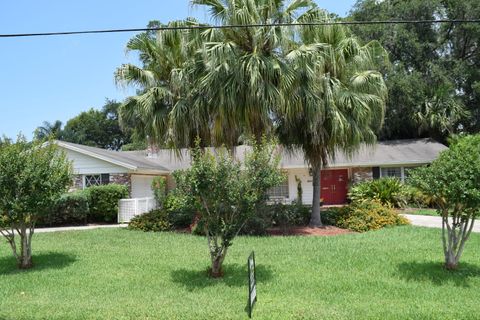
434, 272
235, 275
42, 261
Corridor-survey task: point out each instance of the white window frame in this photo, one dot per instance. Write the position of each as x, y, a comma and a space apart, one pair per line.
282, 185
84, 178
402, 171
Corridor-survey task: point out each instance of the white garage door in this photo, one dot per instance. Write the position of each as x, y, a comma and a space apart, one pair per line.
142, 186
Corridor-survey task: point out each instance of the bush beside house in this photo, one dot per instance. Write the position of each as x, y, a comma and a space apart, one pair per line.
70, 209
103, 201
94, 204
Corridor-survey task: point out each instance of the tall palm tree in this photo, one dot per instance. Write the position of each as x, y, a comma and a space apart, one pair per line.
336, 100
243, 67
161, 81
441, 114
49, 130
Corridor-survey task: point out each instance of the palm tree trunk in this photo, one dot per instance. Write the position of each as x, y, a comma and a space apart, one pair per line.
316, 219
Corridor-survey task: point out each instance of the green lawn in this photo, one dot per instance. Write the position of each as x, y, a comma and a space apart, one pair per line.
420, 211
120, 274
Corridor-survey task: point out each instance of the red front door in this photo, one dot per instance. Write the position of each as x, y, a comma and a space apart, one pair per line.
334, 186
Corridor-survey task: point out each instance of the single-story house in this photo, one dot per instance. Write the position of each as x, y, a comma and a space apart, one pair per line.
136, 169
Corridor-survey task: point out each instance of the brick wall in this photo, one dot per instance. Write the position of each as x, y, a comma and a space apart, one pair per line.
77, 182
361, 174
117, 178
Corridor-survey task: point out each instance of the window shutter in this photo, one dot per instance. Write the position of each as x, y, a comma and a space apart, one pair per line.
376, 172
105, 178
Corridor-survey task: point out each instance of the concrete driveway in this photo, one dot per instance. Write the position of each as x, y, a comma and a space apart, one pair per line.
79, 228
432, 221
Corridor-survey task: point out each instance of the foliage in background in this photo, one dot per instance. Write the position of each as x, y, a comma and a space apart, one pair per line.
32, 178
388, 191
227, 192
96, 128
104, 200
453, 182
434, 77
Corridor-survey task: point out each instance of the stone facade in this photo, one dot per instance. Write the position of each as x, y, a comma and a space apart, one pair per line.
117, 178
361, 175
123, 179
77, 182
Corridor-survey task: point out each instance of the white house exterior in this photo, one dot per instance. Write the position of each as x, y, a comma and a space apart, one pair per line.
136, 169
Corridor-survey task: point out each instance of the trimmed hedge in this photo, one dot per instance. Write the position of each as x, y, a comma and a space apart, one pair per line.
104, 201
70, 208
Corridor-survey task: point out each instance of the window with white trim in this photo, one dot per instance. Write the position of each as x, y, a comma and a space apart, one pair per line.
393, 172
96, 179
402, 173
280, 191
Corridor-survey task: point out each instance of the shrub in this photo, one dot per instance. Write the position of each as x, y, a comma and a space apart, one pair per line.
104, 201
198, 226
159, 188
418, 199
389, 191
330, 216
155, 220
368, 215
70, 208
180, 208
289, 215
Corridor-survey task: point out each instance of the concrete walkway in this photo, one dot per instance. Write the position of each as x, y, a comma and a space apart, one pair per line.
79, 228
432, 221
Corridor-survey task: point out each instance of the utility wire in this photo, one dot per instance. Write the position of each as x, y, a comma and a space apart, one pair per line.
203, 27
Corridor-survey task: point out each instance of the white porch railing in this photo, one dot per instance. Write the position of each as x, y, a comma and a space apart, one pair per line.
129, 208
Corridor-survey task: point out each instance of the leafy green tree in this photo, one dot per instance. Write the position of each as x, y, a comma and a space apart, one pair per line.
426, 59
97, 128
453, 181
49, 130
335, 98
227, 193
32, 178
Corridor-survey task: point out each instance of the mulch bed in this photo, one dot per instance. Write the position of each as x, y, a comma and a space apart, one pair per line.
307, 231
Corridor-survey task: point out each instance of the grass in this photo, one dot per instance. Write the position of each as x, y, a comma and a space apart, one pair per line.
421, 211
119, 274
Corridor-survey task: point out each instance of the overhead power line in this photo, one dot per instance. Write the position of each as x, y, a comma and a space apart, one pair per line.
203, 27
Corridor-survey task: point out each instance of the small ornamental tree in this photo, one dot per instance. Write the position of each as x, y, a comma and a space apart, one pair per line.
453, 181
32, 178
228, 192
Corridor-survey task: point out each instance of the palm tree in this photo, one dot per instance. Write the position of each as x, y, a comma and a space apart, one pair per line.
161, 81
49, 130
441, 114
336, 100
241, 69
